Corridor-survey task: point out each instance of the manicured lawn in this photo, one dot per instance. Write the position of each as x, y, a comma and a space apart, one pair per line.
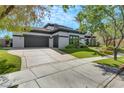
9, 63
82, 52
111, 62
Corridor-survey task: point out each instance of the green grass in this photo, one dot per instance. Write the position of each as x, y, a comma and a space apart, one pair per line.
8, 62
81, 52
6, 48
111, 62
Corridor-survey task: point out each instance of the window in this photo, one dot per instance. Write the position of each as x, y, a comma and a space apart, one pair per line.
73, 39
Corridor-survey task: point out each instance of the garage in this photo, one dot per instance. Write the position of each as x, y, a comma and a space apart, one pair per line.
36, 41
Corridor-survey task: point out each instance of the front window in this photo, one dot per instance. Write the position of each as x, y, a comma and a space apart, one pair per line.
73, 39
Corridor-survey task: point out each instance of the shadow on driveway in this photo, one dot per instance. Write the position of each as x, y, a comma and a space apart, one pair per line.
107, 69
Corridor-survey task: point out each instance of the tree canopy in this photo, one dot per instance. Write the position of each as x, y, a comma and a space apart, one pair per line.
20, 18
108, 20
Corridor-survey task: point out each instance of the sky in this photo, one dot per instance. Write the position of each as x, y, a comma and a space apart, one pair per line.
63, 18
57, 16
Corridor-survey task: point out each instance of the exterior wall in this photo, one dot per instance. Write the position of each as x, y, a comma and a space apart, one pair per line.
64, 38
51, 42
82, 41
18, 41
63, 41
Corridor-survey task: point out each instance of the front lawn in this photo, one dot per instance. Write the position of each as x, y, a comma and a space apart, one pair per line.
81, 52
111, 62
8, 62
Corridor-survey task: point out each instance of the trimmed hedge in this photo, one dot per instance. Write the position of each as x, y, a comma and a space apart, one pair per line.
70, 46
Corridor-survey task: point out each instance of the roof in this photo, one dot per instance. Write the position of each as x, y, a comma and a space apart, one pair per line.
57, 28
90, 36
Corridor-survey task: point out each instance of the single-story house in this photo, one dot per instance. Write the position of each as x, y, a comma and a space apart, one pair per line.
51, 35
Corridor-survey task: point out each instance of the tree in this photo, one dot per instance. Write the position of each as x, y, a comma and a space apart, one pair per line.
106, 33
7, 39
109, 14
95, 18
116, 15
89, 19
21, 18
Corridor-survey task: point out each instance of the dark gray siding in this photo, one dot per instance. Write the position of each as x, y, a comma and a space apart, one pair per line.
36, 41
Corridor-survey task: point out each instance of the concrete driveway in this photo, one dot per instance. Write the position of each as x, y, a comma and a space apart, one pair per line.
40, 56
46, 68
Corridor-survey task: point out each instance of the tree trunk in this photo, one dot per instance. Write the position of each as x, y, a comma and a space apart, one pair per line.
115, 53
116, 48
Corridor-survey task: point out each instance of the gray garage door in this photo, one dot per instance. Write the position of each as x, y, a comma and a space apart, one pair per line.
36, 41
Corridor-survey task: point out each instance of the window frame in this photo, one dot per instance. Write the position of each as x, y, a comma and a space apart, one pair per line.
75, 38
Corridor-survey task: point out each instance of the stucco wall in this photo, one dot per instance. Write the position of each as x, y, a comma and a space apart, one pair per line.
64, 38
63, 41
18, 42
51, 42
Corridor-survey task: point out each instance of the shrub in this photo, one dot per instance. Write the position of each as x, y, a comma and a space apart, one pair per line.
71, 46
110, 48
106, 50
83, 45
0, 43
121, 50
93, 43
7, 40
97, 44
87, 42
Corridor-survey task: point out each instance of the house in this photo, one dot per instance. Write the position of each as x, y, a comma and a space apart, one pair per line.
4, 43
51, 35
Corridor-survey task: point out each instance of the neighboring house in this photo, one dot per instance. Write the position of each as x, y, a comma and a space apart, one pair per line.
51, 35
2, 43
